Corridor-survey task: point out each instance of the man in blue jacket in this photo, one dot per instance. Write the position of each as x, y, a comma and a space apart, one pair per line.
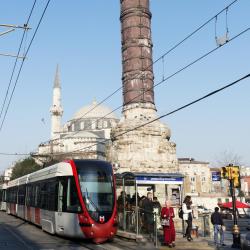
217, 221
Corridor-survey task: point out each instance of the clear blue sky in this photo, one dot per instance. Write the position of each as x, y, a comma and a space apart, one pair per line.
83, 37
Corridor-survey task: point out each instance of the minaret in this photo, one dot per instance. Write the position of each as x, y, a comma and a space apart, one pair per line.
137, 147
56, 110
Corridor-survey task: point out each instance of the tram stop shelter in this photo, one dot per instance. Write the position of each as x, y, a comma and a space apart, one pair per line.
131, 215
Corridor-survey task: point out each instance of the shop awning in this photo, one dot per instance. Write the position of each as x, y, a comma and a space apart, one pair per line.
229, 204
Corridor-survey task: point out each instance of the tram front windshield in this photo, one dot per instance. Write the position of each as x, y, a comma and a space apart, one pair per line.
97, 189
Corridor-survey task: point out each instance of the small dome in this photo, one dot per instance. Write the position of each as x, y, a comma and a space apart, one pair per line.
94, 111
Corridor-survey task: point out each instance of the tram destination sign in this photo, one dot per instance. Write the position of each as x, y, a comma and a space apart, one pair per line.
158, 180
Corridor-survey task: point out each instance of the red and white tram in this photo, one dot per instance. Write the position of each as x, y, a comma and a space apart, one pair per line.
75, 198
3, 196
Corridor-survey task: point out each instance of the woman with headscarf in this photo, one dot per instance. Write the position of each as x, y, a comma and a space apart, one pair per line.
167, 214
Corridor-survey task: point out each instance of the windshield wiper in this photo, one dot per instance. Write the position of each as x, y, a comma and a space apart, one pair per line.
93, 204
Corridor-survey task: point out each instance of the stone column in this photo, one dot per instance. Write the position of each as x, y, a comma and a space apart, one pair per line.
137, 77
137, 147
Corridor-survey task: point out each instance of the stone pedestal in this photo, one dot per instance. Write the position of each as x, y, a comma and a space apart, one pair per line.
139, 148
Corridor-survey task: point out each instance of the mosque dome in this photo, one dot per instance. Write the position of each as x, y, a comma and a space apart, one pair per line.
94, 110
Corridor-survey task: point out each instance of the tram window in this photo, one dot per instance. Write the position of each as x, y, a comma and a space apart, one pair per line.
33, 195
73, 204
68, 200
14, 200
21, 194
52, 188
4, 195
1, 194
37, 196
44, 196
28, 195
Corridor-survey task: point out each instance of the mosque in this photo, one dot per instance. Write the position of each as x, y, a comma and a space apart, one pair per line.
85, 135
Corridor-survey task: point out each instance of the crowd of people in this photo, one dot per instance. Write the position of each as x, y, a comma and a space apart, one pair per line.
152, 216
149, 207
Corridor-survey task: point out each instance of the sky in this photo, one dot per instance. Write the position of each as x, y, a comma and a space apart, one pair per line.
83, 37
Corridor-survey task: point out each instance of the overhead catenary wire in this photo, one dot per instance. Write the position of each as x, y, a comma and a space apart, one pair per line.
159, 59
159, 83
146, 123
163, 79
20, 69
166, 53
158, 118
17, 57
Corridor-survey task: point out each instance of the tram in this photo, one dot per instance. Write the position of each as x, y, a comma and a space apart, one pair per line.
75, 198
3, 196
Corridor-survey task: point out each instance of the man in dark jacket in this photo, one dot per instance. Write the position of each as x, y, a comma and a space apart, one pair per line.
148, 214
217, 221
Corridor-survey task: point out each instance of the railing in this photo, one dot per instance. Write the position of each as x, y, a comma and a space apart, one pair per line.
141, 222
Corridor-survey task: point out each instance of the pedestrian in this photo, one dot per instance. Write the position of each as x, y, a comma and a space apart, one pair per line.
217, 221
157, 212
187, 216
122, 204
167, 215
148, 214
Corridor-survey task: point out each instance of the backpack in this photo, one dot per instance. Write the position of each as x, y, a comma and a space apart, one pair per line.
180, 213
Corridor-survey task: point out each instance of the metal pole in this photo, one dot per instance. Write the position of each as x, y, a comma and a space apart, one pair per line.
136, 210
124, 203
155, 221
236, 230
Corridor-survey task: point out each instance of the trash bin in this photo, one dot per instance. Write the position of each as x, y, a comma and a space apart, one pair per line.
194, 231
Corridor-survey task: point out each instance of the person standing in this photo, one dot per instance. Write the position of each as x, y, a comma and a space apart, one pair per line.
148, 214
167, 212
218, 224
187, 216
157, 212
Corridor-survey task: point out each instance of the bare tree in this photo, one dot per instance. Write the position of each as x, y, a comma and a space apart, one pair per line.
227, 157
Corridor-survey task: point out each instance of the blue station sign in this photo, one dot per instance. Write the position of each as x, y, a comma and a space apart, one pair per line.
216, 176
158, 180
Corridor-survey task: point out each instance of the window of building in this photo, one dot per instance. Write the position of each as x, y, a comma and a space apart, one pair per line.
82, 125
93, 124
105, 124
192, 188
192, 179
73, 127
100, 124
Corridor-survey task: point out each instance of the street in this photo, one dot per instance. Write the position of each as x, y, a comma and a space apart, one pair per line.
18, 234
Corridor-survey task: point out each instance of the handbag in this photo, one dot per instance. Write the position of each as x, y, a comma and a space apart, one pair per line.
165, 222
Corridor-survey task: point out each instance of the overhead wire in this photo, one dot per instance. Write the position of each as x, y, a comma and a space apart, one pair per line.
20, 69
166, 53
137, 75
165, 79
17, 57
160, 117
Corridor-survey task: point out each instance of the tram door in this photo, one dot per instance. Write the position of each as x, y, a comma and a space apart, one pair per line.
60, 220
